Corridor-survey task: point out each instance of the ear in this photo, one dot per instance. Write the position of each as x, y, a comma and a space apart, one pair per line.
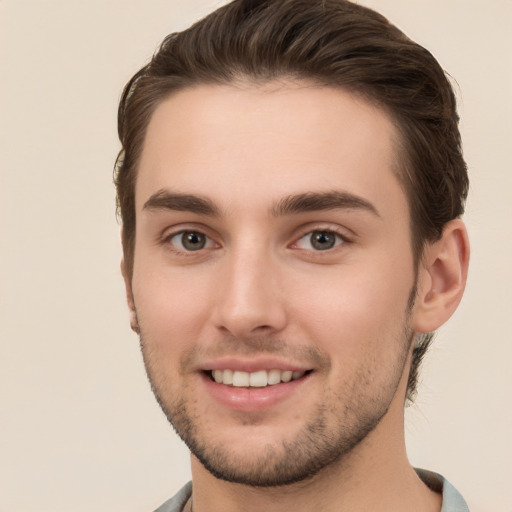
442, 278
134, 322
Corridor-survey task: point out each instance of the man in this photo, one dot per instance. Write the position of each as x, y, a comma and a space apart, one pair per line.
290, 185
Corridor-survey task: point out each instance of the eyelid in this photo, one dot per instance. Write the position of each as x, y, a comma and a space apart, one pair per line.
345, 234
170, 233
208, 241
339, 240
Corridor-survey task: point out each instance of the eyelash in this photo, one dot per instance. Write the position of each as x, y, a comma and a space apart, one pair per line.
341, 239
168, 241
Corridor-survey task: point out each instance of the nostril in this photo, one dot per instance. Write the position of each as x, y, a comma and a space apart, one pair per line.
263, 328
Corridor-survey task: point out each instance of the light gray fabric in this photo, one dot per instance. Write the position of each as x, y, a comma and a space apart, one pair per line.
177, 503
452, 500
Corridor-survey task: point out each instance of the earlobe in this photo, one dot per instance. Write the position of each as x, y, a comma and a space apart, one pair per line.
134, 323
442, 278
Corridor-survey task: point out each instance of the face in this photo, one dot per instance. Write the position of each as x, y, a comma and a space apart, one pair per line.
272, 275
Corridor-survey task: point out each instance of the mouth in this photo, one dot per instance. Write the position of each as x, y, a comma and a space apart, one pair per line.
257, 379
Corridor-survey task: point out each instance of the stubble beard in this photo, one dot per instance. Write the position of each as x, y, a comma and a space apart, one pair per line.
319, 444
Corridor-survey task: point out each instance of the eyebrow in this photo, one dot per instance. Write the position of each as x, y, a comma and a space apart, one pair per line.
293, 204
318, 201
166, 200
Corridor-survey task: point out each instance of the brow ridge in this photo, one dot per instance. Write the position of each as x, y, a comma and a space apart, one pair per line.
292, 204
167, 200
318, 201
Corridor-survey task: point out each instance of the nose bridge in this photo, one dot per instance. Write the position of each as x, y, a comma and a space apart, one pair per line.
249, 300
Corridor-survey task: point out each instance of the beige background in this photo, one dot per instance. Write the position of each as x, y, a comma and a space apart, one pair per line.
79, 428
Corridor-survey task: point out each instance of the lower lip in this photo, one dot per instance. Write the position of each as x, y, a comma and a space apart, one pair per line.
252, 399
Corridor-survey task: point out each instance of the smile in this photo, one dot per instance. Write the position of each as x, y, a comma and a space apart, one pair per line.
258, 379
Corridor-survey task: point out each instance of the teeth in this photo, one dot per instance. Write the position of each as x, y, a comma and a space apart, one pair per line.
257, 379
227, 376
286, 376
274, 377
240, 379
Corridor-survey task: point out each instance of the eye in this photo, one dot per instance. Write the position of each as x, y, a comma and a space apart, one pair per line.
189, 241
319, 240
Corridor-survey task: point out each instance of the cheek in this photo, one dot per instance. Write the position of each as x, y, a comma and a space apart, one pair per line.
172, 308
353, 310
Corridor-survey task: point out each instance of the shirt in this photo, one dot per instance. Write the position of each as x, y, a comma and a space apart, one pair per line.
452, 500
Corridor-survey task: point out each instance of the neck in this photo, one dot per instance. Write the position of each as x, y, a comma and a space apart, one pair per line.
375, 476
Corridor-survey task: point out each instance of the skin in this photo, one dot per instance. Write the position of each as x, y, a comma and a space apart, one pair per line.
259, 294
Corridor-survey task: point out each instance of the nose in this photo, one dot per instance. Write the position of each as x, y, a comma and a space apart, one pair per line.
250, 296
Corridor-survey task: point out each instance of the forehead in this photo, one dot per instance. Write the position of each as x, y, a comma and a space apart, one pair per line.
247, 145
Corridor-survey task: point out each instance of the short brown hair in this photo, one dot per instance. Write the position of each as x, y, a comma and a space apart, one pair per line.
332, 43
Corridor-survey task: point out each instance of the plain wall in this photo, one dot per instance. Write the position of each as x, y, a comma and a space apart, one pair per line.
79, 428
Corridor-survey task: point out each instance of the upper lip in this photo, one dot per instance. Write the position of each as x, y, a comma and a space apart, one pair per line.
252, 365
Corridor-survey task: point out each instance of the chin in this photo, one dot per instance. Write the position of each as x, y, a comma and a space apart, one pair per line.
320, 443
